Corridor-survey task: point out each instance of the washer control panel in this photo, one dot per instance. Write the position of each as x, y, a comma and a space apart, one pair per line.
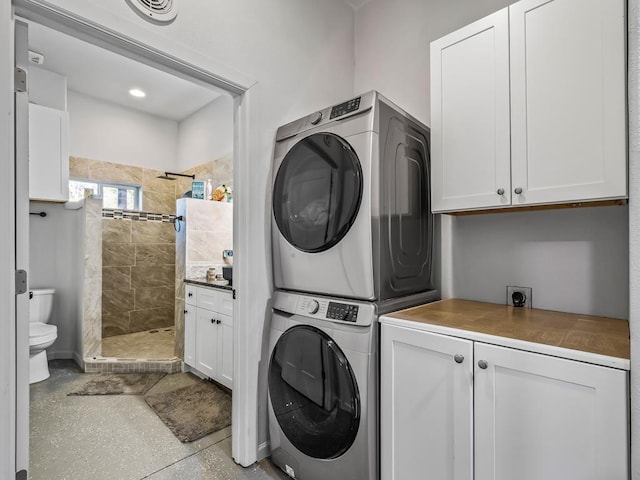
342, 311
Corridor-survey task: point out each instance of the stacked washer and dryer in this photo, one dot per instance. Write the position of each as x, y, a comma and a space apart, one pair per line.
352, 237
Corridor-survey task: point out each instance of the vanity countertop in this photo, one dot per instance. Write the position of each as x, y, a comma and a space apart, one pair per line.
593, 339
202, 282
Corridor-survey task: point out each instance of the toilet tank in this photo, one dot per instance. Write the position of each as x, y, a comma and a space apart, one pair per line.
41, 304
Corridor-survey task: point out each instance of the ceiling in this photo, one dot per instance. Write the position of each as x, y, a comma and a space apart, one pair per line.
108, 76
356, 4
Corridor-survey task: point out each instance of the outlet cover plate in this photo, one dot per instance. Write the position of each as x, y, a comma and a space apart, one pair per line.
526, 291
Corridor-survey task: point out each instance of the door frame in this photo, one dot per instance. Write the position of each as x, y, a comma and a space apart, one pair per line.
244, 400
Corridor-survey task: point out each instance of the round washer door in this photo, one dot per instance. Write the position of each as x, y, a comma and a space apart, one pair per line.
313, 393
317, 192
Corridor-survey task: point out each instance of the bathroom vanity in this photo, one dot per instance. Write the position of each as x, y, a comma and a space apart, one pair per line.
208, 330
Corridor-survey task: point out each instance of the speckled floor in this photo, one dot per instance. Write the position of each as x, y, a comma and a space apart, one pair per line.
156, 344
119, 438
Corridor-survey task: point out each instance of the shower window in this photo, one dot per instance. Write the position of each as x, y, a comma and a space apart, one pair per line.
114, 195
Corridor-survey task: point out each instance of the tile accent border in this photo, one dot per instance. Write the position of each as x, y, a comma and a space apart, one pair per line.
137, 215
130, 365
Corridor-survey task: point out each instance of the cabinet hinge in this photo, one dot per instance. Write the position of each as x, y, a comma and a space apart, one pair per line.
234, 293
21, 475
21, 282
19, 80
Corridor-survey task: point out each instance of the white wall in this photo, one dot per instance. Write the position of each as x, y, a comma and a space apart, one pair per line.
108, 132
575, 260
298, 56
392, 45
48, 89
54, 243
206, 134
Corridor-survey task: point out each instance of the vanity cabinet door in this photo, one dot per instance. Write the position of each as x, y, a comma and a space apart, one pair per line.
190, 335
207, 342
426, 405
542, 417
225, 351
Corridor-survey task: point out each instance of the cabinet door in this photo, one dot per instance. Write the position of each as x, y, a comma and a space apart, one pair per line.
568, 100
539, 417
426, 405
470, 145
207, 342
48, 154
190, 335
190, 294
225, 351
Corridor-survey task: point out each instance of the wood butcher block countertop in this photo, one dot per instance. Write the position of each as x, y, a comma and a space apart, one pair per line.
580, 337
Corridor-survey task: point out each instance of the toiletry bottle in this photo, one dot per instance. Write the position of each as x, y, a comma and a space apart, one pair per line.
208, 190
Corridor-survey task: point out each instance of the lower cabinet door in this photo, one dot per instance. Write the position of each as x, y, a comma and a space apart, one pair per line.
207, 342
426, 405
225, 351
539, 417
190, 335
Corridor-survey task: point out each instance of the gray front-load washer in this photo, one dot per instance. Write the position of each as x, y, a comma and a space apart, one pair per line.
351, 203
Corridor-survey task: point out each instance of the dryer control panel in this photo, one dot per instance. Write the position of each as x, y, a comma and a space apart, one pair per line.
342, 311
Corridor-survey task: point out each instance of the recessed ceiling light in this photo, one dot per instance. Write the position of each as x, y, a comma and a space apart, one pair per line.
136, 92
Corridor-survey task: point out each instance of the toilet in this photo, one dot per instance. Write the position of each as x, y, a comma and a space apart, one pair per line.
41, 334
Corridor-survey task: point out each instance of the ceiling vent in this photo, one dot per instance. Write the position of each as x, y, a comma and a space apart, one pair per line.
158, 11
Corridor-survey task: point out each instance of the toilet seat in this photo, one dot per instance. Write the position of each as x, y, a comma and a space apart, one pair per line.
40, 333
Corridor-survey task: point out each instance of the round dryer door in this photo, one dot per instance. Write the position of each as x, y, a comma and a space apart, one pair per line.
313, 393
317, 192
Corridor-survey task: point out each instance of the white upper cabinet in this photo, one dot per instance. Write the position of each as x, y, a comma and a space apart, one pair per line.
549, 75
48, 154
470, 151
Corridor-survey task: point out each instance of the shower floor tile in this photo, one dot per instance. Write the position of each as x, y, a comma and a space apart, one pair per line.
156, 344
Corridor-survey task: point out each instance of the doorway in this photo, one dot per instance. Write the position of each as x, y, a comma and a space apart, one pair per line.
244, 445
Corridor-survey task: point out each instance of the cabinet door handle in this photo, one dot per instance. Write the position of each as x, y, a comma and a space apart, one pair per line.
190, 294
213, 320
185, 312
482, 364
518, 190
458, 358
218, 322
500, 191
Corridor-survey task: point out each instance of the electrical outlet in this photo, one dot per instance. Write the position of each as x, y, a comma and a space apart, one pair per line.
519, 296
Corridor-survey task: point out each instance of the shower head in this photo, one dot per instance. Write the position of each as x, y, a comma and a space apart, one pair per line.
167, 177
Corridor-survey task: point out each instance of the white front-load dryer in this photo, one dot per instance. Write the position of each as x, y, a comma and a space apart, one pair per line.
351, 205
322, 387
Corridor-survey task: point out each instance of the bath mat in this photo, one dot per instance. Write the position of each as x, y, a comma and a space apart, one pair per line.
194, 411
119, 384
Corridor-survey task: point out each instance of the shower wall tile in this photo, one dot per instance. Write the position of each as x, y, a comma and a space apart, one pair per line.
117, 301
116, 278
115, 172
155, 254
115, 324
142, 320
153, 297
91, 317
158, 202
93, 248
116, 231
151, 182
78, 167
153, 232
118, 254
179, 328
152, 276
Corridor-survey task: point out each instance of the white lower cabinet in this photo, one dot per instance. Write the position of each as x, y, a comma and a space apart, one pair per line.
456, 409
209, 333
